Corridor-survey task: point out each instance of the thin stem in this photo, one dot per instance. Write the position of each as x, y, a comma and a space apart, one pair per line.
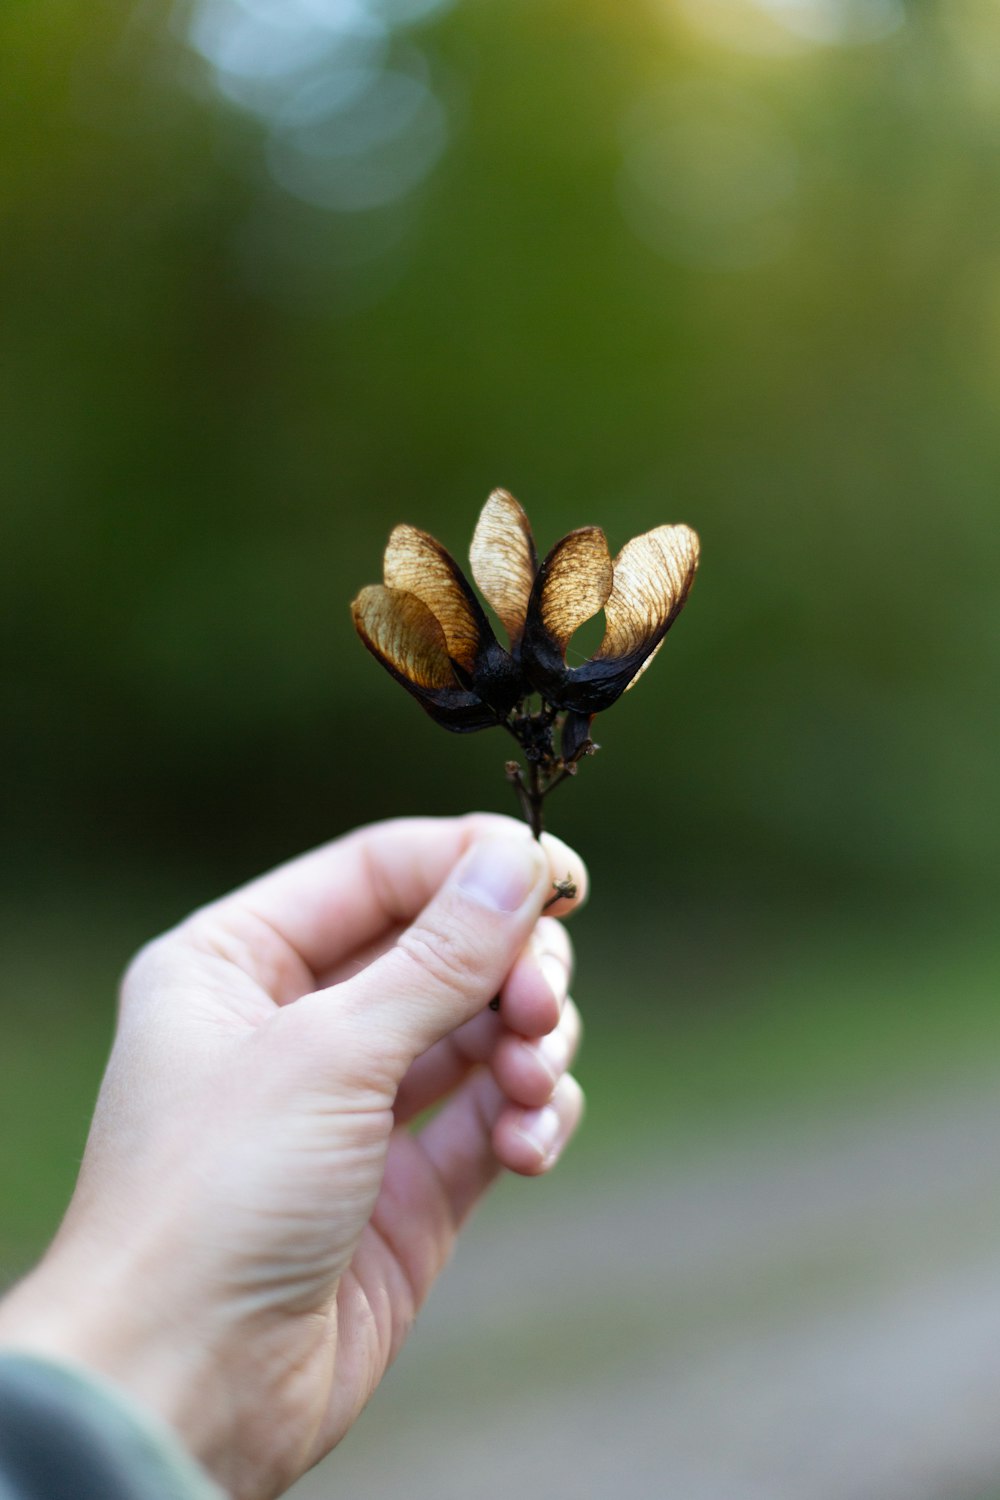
535, 798
517, 782
545, 768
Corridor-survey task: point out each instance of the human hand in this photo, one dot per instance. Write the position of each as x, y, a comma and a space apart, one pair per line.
255, 1226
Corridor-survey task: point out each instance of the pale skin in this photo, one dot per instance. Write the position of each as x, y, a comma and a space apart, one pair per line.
257, 1221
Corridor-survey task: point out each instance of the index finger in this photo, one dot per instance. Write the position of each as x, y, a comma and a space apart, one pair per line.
333, 901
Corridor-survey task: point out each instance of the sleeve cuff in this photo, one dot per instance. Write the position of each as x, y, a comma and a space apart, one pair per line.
66, 1434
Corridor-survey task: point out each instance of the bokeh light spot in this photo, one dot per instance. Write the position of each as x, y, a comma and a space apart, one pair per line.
780, 27
366, 150
837, 22
350, 125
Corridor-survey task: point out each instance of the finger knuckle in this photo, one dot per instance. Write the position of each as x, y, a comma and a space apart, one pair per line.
441, 956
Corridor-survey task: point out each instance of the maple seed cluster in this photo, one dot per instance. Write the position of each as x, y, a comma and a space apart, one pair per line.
426, 626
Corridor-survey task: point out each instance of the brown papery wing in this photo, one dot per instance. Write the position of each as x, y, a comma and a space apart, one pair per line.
415, 562
653, 575
400, 630
576, 582
504, 561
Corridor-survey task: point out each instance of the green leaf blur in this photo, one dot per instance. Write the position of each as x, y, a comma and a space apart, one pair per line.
670, 263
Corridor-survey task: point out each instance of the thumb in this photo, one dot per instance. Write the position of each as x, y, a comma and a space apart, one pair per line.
453, 959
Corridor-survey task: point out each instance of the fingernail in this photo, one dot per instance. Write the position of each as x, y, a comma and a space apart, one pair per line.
541, 1127
555, 976
552, 1052
502, 872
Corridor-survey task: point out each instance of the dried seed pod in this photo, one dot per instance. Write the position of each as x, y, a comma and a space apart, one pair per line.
426, 626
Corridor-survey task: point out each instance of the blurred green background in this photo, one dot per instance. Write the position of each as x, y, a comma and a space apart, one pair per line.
276, 277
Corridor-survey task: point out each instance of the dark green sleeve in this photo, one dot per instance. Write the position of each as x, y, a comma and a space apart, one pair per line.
65, 1435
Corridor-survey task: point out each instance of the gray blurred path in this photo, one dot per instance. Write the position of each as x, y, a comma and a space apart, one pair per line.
790, 1316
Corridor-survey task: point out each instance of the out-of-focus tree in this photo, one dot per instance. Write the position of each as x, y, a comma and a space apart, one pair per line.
724, 262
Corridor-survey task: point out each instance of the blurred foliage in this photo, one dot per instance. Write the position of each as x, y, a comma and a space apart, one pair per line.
674, 261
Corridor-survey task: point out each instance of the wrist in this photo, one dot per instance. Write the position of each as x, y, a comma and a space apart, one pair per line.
131, 1322
56, 1418
89, 1314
